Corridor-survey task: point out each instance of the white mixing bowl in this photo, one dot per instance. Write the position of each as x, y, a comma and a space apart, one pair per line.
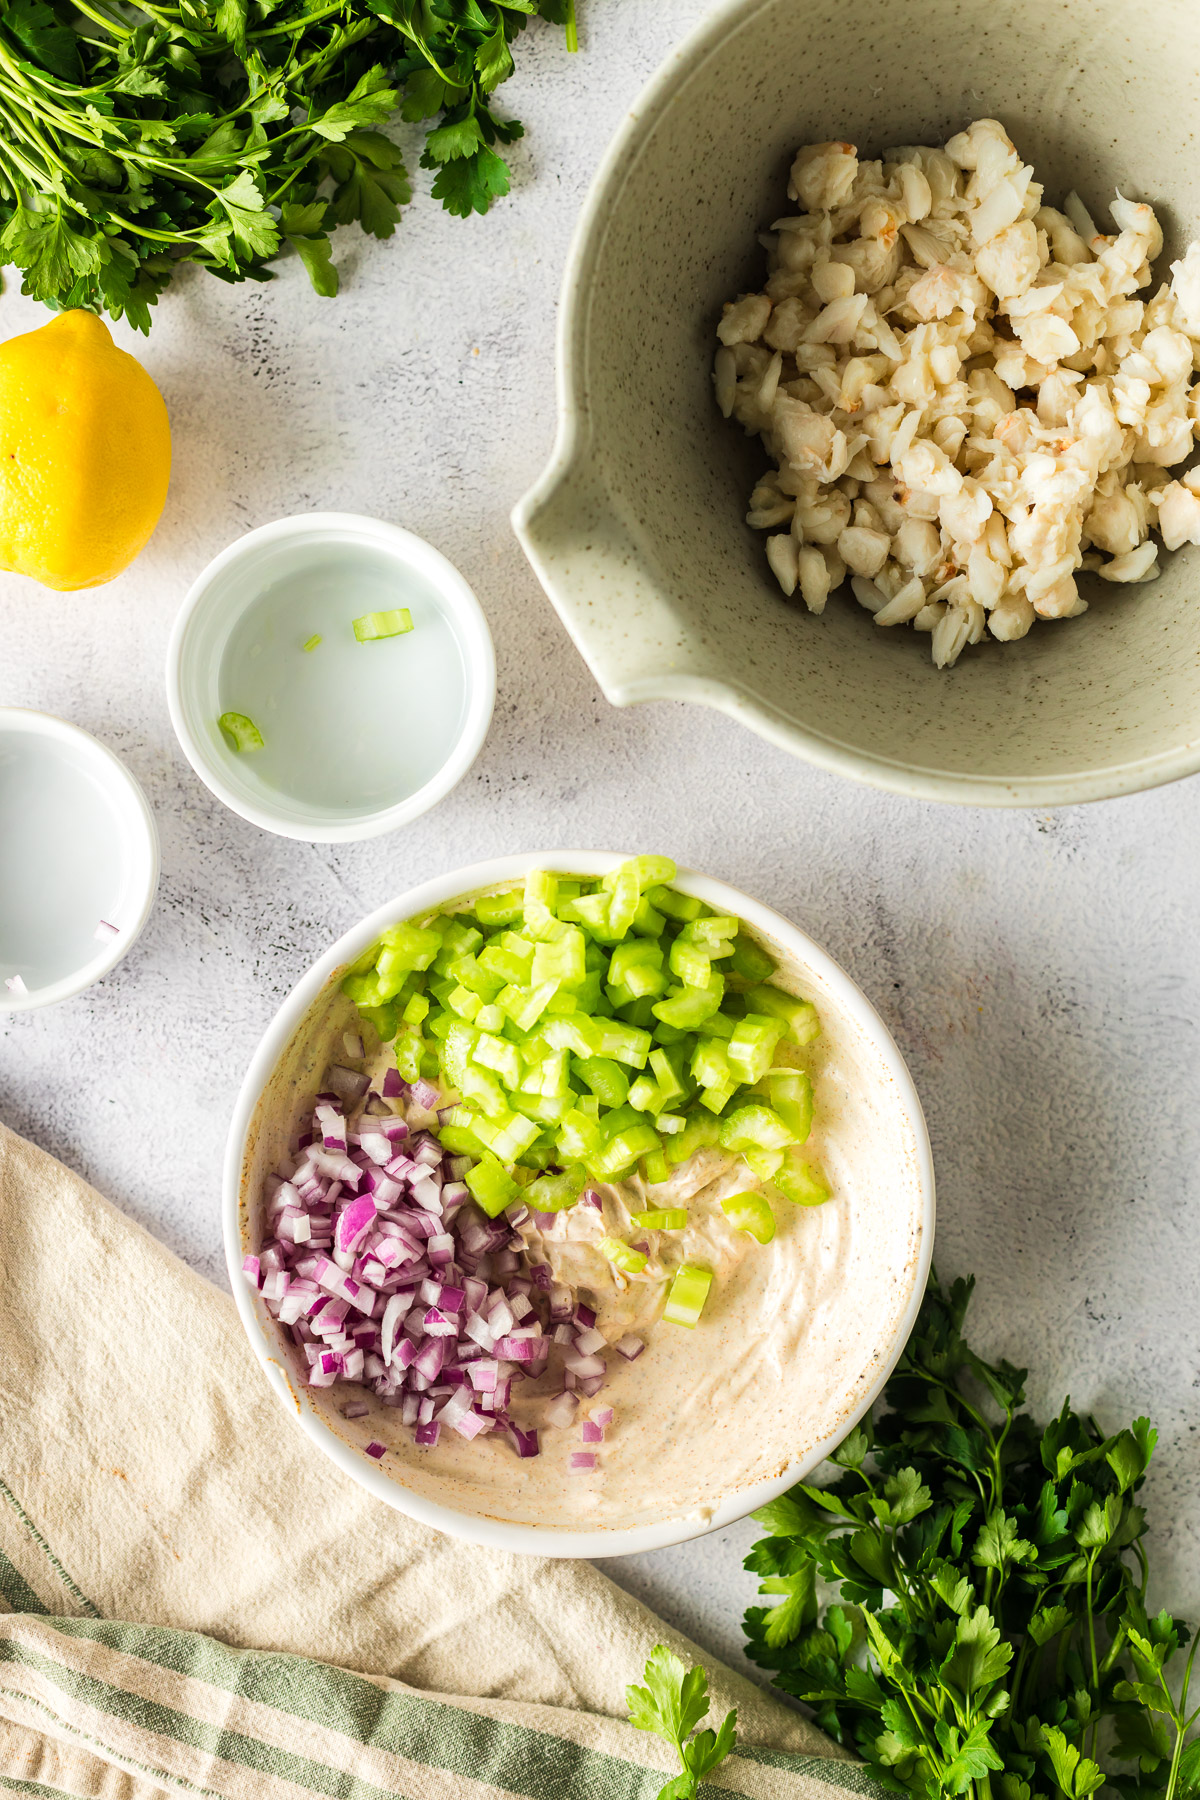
895, 1179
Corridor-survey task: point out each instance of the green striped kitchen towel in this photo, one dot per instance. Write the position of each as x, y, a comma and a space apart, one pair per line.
193, 1601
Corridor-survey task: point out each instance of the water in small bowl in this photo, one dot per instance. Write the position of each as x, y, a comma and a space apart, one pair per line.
347, 727
60, 870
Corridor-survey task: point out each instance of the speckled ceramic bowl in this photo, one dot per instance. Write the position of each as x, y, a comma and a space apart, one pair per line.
636, 529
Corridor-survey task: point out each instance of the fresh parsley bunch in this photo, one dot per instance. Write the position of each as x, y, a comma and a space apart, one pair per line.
135, 136
989, 1635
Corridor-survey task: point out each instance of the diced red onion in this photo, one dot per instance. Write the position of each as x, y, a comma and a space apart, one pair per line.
251, 1269
357, 1409
104, 932
426, 1095
393, 1087
348, 1084
590, 1197
629, 1347
582, 1462
561, 1411
352, 1044
591, 1433
588, 1342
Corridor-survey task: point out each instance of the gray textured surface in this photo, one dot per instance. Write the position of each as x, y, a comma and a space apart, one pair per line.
1040, 972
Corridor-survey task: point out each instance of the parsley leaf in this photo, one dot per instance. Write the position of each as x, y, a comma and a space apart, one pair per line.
470, 183
673, 1704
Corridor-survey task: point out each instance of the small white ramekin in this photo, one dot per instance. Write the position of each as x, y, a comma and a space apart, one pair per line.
249, 1130
212, 609
56, 751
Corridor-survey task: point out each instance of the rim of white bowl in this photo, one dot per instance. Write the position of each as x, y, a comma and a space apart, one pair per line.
573, 433
125, 791
263, 1331
479, 658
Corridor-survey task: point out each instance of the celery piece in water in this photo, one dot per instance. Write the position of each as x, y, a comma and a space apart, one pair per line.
242, 733
376, 625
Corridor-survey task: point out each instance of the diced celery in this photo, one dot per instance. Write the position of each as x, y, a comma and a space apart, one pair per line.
689, 1291
623, 1256
463, 1002
242, 733
720, 1025
506, 1138
457, 1050
577, 1034
525, 1005
676, 905
713, 934
752, 1046
801, 1182
492, 1186
646, 1096
561, 960
416, 945
364, 989
547, 1074
655, 1167
647, 920
755, 1127
748, 962
469, 972
763, 1162
636, 965
622, 1151
579, 1135
606, 1078
710, 1064
717, 1098
699, 1133
691, 963
801, 1015
460, 1141
687, 1007
750, 1212
588, 1103
623, 900
385, 1020
374, 625
481, 1088
408, 1057
490, 1018
625, 1043
547, 1109
671, 1218
668, 1071
792, 1097
555, 1193
541, 900
591, 911
501, 909
416, 1010
561, 1003
640, 1013
458, 939
498, 1054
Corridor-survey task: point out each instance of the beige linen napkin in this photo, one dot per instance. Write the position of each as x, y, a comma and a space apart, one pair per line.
193, 1600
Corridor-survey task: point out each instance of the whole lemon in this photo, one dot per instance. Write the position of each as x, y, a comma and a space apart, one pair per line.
85, 454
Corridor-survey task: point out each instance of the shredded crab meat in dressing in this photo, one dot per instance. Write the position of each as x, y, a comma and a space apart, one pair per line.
967, 394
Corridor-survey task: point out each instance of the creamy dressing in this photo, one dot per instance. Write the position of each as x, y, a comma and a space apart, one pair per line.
792, 1338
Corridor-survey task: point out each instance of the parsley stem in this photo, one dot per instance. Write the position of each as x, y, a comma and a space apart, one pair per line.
572, 33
